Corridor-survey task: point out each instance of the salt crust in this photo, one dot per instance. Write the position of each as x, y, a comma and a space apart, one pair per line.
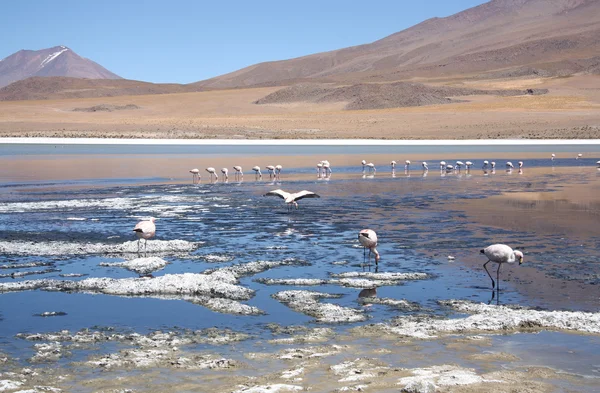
44, 248
490, 318
307, 302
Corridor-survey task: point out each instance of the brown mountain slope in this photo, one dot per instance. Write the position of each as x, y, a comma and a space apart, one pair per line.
46, 88
56, 61
500, 34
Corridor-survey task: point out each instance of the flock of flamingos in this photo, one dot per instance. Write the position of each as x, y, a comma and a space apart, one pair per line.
497, 253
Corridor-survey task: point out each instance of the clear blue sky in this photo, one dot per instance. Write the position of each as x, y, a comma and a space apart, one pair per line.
186, 41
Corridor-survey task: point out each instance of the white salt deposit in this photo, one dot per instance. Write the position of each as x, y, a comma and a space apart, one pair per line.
489, 318
307, 302
273, 388
431, 378
383, 276
67, 205
170, 284
141, 266
8, 385
68, 248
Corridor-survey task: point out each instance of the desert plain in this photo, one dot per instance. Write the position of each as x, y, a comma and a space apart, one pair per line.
570, 109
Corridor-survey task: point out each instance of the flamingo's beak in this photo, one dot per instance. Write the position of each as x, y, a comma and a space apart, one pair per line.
520, 260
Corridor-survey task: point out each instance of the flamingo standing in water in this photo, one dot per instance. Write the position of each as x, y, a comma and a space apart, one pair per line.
145, 230
493, 163
271, 170
290, 199
368, 239
257, 174
500, 253
406, 165
442, 165
326, 168
509, 166
552, 157
579, 156
278, 169
598, 163
364, 164
372, 168
424, 165
225, 173
459, 164
238, 172
319, 169
393, 165
195, 175
485, 164
212, 172
468, 165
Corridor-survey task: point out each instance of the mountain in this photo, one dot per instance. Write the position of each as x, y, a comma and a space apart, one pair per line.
61, 87
56, 61
500, 36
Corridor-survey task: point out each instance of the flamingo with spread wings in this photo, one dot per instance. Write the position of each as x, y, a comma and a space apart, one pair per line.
290, 199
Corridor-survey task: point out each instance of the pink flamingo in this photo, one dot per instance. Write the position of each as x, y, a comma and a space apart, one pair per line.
368, 239
238, 171
145, 230
290, 199
195, 175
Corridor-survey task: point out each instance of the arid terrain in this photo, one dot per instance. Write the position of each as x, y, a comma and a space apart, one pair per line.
570, 109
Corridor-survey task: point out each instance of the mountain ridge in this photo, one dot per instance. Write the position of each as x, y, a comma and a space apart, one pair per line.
55, 61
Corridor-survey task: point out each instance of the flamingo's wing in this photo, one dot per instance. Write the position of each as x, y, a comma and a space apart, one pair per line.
280, 193
305, 194
143, 227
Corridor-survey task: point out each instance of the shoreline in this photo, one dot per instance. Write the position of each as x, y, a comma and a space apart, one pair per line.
302, 142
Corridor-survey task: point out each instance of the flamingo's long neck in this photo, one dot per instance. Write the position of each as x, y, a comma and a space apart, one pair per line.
374, 251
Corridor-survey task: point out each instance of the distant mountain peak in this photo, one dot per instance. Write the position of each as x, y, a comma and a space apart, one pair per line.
59, 60
53, 56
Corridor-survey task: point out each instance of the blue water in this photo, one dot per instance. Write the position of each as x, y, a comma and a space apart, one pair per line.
413, 215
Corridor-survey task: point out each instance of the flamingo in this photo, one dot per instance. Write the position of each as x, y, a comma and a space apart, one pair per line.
326, 168
290, 199
579, 156
500, 253
493, 163
449, 168
368, 239
278, 169
442, 165
238, 171
406, 165
195, 175
212, 171
393, 164
509, 166
145, 230
552, 157
364, 163
485, 164
271, 170
372, 168
459, 164
468, 165
425, 167
225, 172
520, 164
598, 163
319, 169
257, 173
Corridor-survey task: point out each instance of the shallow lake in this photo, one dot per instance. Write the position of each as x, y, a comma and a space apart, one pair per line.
60, 222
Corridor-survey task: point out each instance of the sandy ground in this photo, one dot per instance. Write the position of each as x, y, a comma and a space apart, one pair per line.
570, 110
